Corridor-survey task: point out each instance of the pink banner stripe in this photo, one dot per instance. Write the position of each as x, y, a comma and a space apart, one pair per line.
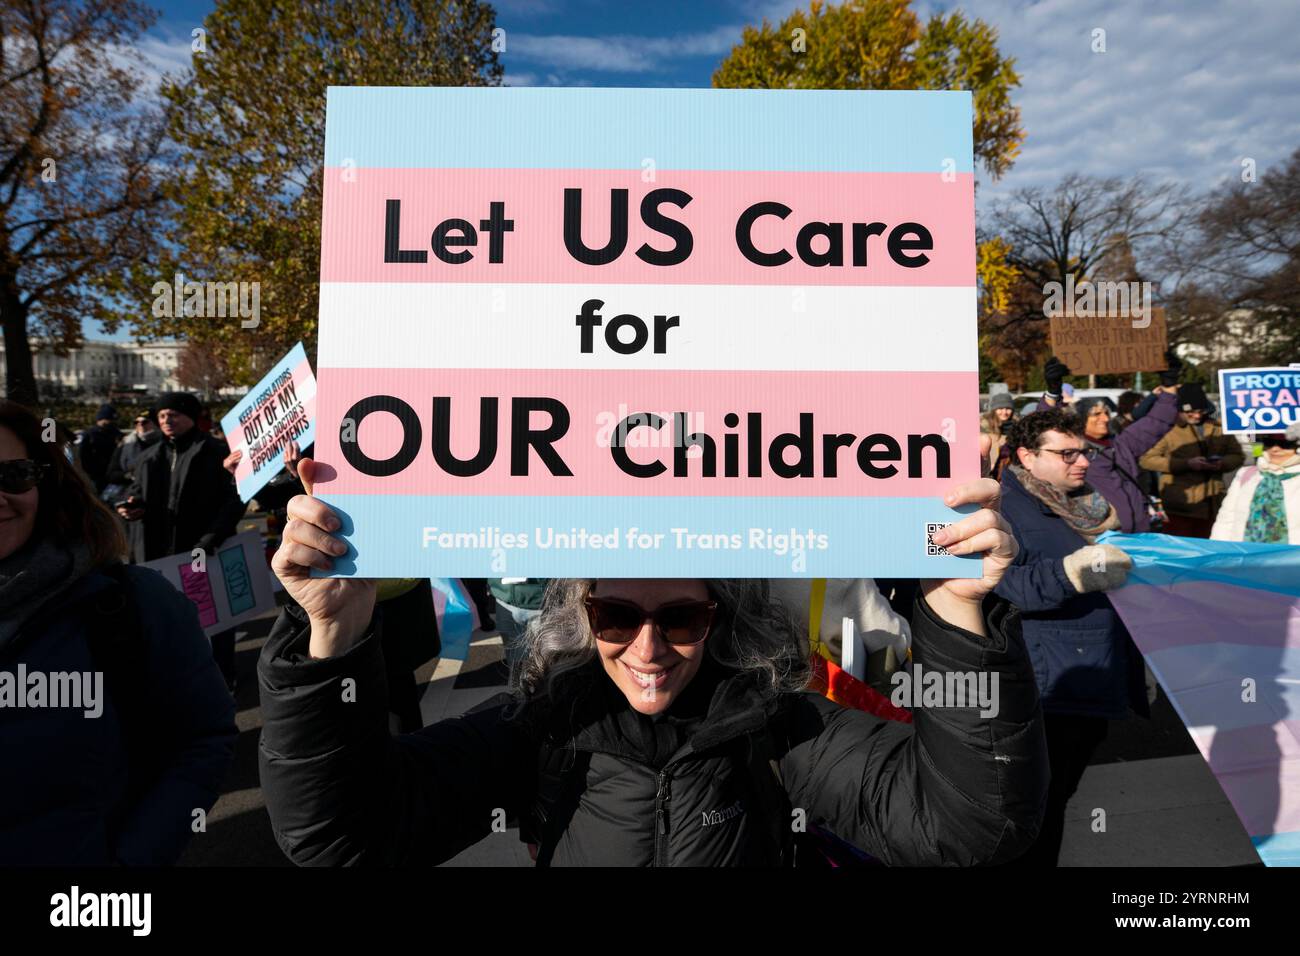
861, 404
1259, 770
1176, 615
353, 225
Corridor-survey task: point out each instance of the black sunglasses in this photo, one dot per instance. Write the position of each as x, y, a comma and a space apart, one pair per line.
21, 474
1277, 441
619, 622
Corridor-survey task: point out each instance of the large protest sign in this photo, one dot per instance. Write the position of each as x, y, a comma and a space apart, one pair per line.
1259, 399
646, 332
226, 587
277, 410
1106, 344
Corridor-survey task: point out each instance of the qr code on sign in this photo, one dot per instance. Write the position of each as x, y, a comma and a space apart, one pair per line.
932, 549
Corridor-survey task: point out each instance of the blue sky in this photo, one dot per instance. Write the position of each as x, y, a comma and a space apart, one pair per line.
1185, 91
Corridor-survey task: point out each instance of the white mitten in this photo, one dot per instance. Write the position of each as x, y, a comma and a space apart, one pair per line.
1097, 567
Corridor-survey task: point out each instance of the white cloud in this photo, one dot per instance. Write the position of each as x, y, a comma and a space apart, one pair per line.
621, 53
1183, 91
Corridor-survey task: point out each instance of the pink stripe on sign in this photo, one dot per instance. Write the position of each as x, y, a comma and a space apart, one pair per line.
1177, 615
852, 403
355, 211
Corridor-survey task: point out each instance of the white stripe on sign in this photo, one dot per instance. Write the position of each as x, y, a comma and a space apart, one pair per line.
784, 328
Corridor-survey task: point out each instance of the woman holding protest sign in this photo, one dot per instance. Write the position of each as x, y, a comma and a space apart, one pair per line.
654, 722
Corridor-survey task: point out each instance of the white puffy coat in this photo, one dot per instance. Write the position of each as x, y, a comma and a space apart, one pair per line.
1235, 510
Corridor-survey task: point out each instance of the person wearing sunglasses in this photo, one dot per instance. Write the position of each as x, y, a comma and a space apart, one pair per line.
1087, 668
1263, 502
109, 770
651, 723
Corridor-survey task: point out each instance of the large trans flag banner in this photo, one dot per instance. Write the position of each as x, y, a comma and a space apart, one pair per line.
571, 332
1219, 623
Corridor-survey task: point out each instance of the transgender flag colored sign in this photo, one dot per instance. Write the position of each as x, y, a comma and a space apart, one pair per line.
1219, 623
277, 410
647, 332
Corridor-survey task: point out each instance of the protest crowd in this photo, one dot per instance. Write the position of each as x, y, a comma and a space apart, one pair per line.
641, 301
610, 680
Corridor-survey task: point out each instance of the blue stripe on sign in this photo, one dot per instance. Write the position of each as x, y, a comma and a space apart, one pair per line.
536, 128
865, 537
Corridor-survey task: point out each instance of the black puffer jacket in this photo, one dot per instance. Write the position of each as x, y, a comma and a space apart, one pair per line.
952, 788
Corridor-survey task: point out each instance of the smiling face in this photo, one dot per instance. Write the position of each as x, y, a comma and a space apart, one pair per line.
1098, 424
1002, 414
649, 671
17, 511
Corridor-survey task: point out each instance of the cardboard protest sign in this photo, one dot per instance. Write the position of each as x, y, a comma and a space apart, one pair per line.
277, 410
1107, 344
1259, 399
646, 332
227, 587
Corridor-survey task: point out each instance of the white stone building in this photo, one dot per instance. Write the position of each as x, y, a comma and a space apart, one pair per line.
97, 368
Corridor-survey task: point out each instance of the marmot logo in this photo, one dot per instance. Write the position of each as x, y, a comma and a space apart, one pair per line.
712, 817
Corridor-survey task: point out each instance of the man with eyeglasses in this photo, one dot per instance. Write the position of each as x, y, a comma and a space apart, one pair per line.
1087, 669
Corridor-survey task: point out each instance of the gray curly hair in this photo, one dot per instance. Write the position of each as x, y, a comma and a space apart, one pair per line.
752, 632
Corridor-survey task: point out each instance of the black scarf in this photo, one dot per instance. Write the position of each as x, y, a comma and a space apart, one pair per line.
32, 575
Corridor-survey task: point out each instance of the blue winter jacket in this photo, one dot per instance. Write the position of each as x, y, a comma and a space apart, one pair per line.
1084, 660
68, 797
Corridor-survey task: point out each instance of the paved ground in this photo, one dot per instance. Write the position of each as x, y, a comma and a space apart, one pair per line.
1162, 805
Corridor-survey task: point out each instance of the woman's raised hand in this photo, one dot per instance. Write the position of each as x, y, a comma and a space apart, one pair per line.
986, 533
339, 608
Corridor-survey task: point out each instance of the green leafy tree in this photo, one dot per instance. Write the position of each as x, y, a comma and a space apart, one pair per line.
882, 45
250, 120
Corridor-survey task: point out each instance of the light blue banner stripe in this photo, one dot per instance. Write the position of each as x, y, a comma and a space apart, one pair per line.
1162, 559
865, 537
541, 128
1278, 849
